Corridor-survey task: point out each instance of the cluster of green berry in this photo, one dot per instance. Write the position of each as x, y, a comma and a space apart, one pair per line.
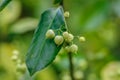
20, 66
66, 38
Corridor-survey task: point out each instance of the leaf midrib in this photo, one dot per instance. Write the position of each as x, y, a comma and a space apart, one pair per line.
44, 41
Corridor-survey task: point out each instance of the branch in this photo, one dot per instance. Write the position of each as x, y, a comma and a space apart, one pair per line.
62, 4
71, 66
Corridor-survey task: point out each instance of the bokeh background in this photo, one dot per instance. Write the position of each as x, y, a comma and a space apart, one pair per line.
97, 20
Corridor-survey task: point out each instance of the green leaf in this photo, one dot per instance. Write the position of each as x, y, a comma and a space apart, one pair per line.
95, 16
24, 25
57, 1
43, 51
4, 4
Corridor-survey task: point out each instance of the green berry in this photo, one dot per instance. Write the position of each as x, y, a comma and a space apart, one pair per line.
16, 52
67, 49
67, 14
73, 48
82, 39
65, 35
21, 67
79, 75
58, 39
70, 38
14, 58
19, 61
50, 34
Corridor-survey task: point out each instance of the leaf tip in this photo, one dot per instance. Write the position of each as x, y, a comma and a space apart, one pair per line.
31, 72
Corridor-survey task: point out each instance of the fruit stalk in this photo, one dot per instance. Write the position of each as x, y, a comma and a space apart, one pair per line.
71, 67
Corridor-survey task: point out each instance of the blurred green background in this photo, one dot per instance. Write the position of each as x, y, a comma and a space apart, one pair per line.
97, 20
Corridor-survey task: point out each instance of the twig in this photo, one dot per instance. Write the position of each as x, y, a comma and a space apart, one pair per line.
62, 4
71, 66
69, 54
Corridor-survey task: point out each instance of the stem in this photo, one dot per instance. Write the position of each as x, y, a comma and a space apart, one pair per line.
71, 66
62, 4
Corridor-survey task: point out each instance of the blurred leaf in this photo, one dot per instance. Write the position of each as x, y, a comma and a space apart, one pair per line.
94, 16
4, 4
57, 1
43, 51
116, 7
24, 25
10, 13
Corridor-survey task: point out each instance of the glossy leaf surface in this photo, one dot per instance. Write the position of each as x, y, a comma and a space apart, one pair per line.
43, 51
